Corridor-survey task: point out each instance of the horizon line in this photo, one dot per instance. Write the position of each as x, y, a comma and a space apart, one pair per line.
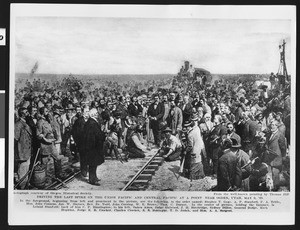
135, 74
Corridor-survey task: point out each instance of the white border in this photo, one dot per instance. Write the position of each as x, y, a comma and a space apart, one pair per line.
17, 217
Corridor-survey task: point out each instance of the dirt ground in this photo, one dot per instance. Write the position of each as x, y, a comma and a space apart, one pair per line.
113, 174
167, 178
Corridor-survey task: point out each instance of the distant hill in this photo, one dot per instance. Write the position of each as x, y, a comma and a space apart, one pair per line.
130, 77
101, 77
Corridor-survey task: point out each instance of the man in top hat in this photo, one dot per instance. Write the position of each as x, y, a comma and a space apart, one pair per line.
243, 158
171, 147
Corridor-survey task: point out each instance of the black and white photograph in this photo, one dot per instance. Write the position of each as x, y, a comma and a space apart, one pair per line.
186, 100
155, 104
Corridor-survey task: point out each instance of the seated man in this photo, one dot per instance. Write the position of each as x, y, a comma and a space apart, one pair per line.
134, 146
172, 147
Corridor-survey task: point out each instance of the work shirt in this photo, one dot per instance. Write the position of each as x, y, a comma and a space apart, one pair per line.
173, 143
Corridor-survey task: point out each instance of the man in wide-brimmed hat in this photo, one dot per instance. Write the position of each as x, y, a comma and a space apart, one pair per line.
243, 158
228, 171
172, 147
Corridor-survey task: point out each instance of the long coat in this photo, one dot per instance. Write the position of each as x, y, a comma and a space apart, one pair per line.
187, 111
77, 132
93, 142
32, 125
175, 119
277, 144
158, 113
241, 174
134, 110
248, 130
227, 171
45, 130
215, 138
194, 145
23, 141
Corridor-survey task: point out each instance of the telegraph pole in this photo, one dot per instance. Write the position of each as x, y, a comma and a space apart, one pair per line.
282, 70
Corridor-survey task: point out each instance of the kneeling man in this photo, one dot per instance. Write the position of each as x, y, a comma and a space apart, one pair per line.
172, 147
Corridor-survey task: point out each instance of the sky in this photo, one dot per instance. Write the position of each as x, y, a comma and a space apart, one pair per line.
63, 45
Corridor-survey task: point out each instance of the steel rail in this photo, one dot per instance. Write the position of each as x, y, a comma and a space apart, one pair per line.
139, 172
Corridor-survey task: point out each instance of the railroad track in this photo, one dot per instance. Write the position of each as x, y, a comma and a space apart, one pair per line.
58, 183
140, 180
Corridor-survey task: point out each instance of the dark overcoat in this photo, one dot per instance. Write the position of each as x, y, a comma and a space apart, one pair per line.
134, 110
215, 139
227, 171
77, 132
93, 139
277, 144
157, 112
187, 111
248, 130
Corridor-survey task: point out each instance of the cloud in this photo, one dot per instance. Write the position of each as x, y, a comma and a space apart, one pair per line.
133, 46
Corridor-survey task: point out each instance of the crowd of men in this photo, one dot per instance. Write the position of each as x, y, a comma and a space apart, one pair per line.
235, 131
